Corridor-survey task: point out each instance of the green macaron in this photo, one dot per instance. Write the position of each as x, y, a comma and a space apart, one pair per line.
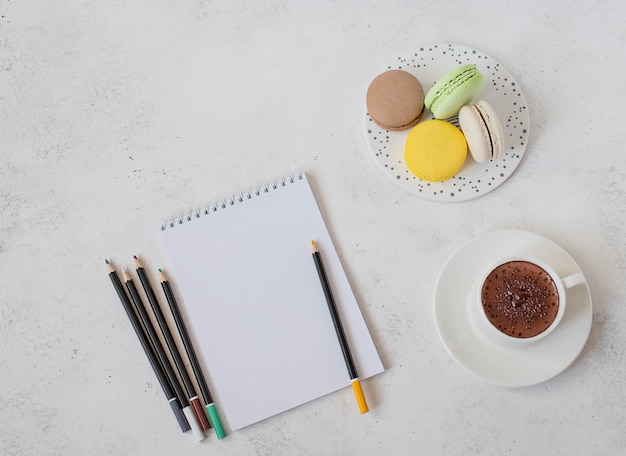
453, 91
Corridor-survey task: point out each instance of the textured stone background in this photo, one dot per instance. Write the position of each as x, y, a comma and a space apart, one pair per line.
116, 114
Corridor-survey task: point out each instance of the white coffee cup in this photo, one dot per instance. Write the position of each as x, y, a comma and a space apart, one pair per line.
520, 299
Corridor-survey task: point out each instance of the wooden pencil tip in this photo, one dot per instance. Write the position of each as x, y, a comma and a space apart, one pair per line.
106, 261
135, 257
161, 270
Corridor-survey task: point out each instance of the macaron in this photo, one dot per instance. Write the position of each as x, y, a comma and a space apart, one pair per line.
435, 150
483, 132
454, 90
395, 100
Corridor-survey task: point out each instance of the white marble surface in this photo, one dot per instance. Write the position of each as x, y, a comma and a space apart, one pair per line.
114, 114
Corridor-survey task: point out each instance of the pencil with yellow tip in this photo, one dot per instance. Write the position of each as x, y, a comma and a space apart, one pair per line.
343, 342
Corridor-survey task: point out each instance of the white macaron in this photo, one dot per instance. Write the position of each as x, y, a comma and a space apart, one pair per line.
483, 132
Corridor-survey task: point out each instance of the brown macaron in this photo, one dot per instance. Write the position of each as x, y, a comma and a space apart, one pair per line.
395, 100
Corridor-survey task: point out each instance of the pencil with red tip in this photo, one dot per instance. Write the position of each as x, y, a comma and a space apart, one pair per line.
197, 409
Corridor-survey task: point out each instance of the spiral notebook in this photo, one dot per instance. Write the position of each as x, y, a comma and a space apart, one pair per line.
255, 305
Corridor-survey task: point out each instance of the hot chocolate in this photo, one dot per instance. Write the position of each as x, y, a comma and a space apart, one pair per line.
520, 299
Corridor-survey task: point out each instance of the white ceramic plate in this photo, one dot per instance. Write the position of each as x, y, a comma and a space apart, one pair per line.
508, 366
428, 64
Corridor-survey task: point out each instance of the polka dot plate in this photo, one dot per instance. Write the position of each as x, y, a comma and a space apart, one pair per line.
428, 64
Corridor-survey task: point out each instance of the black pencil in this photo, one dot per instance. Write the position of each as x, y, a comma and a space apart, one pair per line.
171, 345
214, 417
160, 352
343, 342
147, 348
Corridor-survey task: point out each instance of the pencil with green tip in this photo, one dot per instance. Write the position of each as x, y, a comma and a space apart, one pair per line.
343, 342
214, 417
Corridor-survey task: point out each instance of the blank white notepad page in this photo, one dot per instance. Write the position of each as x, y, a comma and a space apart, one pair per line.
255, 305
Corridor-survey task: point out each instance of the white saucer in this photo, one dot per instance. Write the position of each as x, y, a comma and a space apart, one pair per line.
508, 366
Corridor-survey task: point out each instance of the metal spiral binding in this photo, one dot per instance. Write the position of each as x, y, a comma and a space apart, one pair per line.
223, 204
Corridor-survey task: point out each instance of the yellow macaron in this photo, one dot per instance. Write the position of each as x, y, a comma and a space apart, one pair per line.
435, 150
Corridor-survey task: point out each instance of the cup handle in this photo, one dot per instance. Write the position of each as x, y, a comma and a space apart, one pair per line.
573, 280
